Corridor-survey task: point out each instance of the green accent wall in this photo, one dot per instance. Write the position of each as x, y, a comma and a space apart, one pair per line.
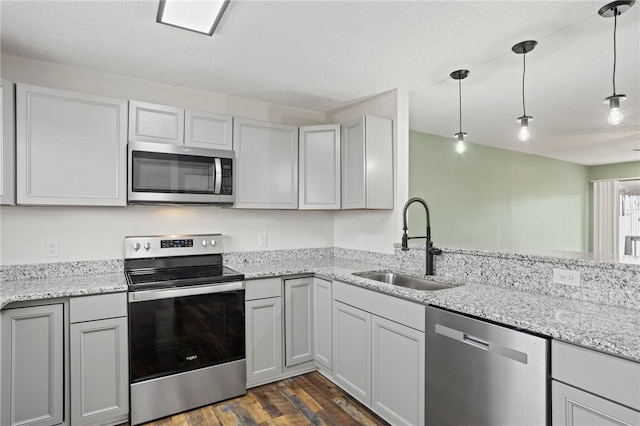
615, 171
497, 198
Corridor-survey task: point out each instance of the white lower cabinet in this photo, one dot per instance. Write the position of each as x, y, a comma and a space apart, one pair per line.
397, 365
298, 320
593, 388
33, 366
574, 407
280, 331
322, 323
352, 351
264, 340
99, 360
379, 352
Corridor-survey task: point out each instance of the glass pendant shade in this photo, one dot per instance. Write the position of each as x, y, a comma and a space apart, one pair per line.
524, 134
460, 146
615, 115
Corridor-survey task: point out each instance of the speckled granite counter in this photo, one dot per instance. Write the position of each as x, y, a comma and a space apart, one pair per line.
64, 286
606, 328
603, 327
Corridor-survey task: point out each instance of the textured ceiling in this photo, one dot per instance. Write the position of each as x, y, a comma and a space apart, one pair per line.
326, 55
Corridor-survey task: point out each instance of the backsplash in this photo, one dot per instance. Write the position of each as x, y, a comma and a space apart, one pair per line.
60, 269
600, 281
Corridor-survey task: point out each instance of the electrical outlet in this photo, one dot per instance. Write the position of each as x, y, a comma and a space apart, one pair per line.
52, 248
262, 240
566, 277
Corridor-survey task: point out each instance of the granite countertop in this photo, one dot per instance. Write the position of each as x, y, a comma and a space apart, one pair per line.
602, 327
606, 328
66, 286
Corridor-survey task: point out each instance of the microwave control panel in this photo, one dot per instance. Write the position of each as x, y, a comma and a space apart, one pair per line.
227, 176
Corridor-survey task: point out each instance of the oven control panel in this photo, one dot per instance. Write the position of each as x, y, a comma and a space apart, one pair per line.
172, 245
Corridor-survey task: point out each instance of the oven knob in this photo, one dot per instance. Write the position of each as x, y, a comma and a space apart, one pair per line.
213, 243
136, 246
147, 245
204, 243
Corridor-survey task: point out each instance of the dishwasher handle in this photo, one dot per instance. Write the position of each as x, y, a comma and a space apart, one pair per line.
476, 342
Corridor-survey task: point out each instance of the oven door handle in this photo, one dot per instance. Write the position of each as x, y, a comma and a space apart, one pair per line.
145, 295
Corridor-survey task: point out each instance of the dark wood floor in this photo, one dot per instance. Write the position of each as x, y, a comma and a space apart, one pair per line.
309, 399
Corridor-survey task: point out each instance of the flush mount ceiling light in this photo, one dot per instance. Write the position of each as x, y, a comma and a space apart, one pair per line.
199, 15
460, 75
614, 9
523, 48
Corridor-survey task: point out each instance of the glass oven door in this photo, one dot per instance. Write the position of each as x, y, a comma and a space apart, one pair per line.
181, 329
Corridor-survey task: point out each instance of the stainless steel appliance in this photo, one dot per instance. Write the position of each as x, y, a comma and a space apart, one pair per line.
186, 325
479, 373
176, 174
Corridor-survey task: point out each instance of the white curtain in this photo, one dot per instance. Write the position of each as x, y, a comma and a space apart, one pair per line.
606, 214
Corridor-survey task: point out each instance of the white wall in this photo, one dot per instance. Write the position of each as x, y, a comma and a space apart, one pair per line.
378, 230
91, 233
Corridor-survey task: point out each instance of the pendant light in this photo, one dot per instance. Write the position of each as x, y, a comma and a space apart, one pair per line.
460, 75
614, 9
523, 48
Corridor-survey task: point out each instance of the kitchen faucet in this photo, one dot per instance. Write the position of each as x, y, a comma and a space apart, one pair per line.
430, 250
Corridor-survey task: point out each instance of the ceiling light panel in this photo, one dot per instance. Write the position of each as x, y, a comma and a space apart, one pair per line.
199, 16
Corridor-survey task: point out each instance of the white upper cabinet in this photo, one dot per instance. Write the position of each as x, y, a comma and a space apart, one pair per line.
71, 148
208, 130
320, 167
156, 123
167, 124
266, 168
7, 147
367, 163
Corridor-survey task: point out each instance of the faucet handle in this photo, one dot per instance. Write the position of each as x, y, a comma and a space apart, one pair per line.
405, 241
434, 250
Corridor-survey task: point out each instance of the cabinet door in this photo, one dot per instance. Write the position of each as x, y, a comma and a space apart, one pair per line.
32, 366
320, 167
398, 362
266, 168
99, 372
208, 130
156, 123
353, 165
573, 407
352, 351
322, 321
264, 340
7, 145
367, 163
71, 148
298, 320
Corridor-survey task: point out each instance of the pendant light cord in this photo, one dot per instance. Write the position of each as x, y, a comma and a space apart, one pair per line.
615, 27
460, 102
524, 71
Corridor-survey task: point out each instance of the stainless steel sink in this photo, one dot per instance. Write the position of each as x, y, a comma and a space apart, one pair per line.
402, 280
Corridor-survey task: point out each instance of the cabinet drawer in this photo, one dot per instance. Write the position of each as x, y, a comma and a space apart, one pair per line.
384, 305
90, 308
262, 289
611, 377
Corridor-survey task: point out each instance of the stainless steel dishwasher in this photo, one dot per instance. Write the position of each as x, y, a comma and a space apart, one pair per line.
479, 373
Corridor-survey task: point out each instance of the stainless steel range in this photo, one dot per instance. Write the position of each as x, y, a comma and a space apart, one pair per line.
186, 325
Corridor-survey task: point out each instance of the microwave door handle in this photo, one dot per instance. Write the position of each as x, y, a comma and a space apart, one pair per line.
217, 182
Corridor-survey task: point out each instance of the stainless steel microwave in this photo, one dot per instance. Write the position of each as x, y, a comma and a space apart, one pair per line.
174, 174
